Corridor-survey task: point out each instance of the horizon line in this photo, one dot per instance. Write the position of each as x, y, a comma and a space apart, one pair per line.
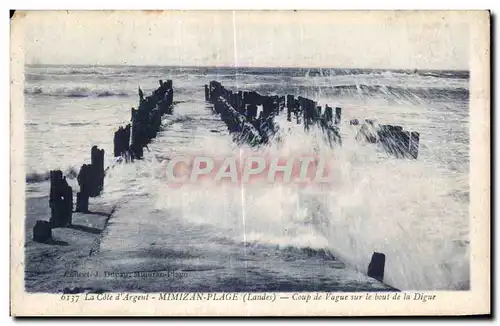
238, 67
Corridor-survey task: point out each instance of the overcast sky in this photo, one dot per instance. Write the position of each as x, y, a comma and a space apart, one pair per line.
276, 39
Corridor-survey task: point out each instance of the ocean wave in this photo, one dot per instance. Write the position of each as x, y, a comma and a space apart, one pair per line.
424, 92
312, 72
34, 77
74, 92
74, 124
182, 118
36, 177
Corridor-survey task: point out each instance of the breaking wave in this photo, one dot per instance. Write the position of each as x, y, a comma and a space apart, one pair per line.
36, 177
74, 92
424, 92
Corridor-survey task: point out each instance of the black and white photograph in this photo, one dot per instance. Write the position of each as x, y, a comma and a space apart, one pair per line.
247, 157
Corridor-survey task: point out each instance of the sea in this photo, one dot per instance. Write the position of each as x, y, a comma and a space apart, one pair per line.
416, 212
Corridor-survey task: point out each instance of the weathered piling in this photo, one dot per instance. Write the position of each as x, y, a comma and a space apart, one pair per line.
126, 139
307, 108
251, 112
86, 183
42, 231
91, 178
117, 142
121, 141
82, 202
393, 139
290, 101
267, 106
141, 94
377, 266
133, 113
215, 90
241, 103
146, 121
330, 130
237, 123
207, 93
281, 103
338, 113
239, 112
414, 144
328, 115
169, 92
367, 133
61, 200
97, 167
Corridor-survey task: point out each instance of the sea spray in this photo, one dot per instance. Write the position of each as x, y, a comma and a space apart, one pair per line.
375, 204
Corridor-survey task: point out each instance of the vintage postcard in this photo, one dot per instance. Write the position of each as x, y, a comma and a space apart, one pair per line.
250, 163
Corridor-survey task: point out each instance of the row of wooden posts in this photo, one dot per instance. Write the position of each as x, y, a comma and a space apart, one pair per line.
239, 112
91, 182
128, 142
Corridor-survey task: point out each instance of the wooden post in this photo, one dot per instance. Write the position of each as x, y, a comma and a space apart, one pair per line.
290, 102
403, 142
338, 112
377, 266
170, 93
239, 102
42, 231
281, 103
97, 162
117, 143
67, 194
414, 144
85, 182
55, 197
141, 95
82, 202
207, 93
126, 138
61, 200
328, 115
246, 98
132, 115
